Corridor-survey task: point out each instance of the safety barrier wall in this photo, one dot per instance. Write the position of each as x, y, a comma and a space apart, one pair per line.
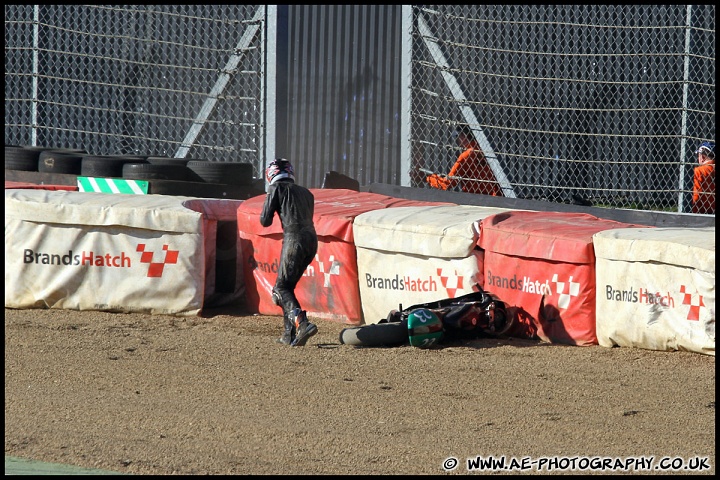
33, 186
130, 253
413, 255
542, 265
656, 288
569, 278
329, 289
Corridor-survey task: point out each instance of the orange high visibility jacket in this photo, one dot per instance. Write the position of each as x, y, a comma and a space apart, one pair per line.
477, 175
704, 189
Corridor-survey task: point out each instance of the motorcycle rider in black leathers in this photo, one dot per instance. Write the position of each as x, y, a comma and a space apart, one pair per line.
295, 205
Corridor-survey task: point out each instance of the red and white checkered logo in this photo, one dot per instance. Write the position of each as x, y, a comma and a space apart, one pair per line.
451, 281
333, 268
155, 269
694, 312
565, 290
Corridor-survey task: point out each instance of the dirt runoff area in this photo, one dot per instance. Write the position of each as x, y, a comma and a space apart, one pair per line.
143, 394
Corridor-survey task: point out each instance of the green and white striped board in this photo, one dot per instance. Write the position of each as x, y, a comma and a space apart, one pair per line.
112, 185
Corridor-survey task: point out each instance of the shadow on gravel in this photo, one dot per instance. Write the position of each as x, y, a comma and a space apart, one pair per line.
485, 343
237, 310
478, 344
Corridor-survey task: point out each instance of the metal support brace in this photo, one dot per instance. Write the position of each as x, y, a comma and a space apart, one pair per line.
466, 111
220, 84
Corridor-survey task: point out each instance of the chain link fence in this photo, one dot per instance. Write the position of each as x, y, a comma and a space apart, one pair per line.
596, 104
589, 104
155, 80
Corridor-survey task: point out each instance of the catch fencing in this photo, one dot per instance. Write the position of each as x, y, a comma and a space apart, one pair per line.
155, 80
596, 104
600, 104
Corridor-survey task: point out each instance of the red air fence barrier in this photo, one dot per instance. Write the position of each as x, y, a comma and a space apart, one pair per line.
12, 184
329, 289
542, 265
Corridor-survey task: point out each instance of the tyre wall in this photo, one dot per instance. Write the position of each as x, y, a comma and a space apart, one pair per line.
569, 277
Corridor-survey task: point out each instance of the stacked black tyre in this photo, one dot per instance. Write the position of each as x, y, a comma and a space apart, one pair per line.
167, 175
240, 174
171, 161
171, 168
28, 158
58, 161
18, 158
107, 166
195, 177
191, 170
150, 171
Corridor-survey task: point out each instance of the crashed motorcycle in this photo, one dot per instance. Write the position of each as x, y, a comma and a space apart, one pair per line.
474, 315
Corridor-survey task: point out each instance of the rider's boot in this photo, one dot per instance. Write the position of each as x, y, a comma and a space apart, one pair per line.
303, 329
288, 334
